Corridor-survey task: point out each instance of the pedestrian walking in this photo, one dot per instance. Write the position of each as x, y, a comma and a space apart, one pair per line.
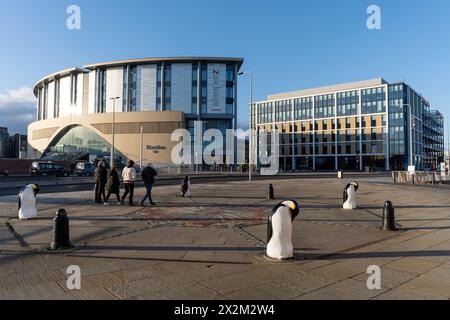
101, 176
148, 176
129, 178
113, 186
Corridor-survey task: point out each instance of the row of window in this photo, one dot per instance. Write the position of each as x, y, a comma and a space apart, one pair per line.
325, 106
342, 136
330, 149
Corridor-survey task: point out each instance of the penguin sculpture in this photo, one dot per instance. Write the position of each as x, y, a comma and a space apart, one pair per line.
350, 196
186, 187
27, 202
279, 230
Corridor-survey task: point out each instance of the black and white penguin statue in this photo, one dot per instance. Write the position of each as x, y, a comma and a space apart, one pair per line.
350, 196
27, 202
186, 187
279, 230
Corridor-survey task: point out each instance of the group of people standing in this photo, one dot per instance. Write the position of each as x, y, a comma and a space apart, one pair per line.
107, 184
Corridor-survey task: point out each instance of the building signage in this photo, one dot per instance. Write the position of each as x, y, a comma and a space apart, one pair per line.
216, 88
156, 149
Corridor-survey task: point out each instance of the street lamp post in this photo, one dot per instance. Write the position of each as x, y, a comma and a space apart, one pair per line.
250, 144
411, 161
113, 131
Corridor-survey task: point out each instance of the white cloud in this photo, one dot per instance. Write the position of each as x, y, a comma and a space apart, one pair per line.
17, 109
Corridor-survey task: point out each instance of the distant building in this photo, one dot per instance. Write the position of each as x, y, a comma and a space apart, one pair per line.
17, 146
4, 135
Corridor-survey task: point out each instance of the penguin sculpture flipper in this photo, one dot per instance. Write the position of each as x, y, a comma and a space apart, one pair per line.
346, 192
269, 222
269, 229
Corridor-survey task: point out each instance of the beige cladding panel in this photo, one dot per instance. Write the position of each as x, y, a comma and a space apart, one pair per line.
135, 127
44, 133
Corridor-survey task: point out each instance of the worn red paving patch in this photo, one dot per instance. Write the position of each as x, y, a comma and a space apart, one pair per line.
204, 216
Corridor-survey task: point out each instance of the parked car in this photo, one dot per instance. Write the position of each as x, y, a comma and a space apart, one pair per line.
85, 169
48, 168
4, 173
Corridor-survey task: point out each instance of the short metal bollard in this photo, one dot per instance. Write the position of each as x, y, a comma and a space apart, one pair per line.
389, 217
270, 192
61, 232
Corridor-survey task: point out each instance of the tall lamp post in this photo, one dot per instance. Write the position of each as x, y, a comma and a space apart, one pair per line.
250, 144
113, 131
411, 124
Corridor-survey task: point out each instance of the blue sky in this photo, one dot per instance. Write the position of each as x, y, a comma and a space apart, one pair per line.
288, 45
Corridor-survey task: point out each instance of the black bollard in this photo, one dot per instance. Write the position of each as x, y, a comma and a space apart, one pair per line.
61, 233
389, 217
270, 193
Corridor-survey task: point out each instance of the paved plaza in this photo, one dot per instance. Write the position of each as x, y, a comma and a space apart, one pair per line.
210, 246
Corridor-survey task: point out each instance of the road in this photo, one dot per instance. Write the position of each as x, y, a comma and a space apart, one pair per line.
84, 184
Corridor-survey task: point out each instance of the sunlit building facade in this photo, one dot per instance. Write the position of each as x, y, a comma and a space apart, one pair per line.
365, 125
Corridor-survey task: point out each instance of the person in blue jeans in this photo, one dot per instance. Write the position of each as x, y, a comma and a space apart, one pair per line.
148, 176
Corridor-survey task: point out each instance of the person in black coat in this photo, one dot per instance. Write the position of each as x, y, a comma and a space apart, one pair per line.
101, 176
148, 176
113, 185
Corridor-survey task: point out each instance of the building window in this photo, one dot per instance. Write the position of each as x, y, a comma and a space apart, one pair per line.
133, 89
194, 88
373, 100
57, 97
44, 113
158, 87
126, 89
101, 91
303, 108
167, 87
204, 88
231, 80
324, 106
73, 88
347, 103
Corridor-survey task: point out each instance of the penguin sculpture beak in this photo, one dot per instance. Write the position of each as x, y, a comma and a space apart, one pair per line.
295, 210
36, 189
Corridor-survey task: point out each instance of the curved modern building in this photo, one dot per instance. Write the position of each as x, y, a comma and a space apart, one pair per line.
158, 95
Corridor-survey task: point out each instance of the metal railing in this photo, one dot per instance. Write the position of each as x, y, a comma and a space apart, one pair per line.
420, 177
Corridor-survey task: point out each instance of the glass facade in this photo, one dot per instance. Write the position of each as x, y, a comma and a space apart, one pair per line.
159, 87
167, 106
303, 108
347, 103
100, 97
231, 85
194, 88
204, 89
57, 97
381, 127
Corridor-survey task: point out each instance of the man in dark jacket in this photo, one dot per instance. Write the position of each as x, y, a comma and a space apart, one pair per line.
148, 176
101, 177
